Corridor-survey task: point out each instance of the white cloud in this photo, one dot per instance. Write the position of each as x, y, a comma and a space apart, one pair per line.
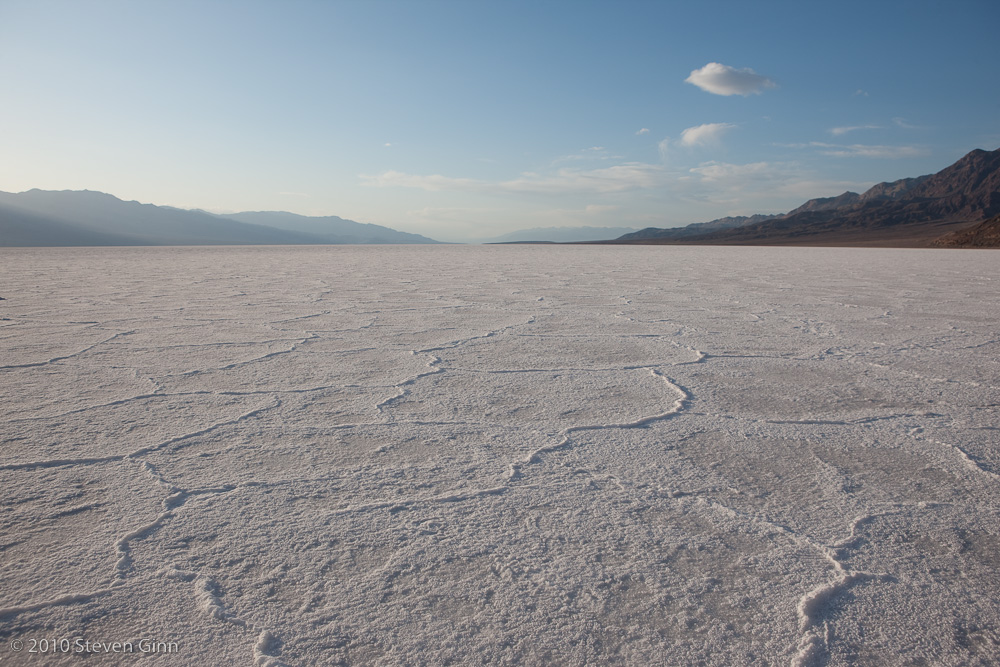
838, 131
721, 79
706, 134
664, 147
644, 130
860, 93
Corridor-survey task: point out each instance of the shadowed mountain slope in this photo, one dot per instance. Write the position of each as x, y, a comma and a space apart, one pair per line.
78, 218
331, 228
984, 235
911, 212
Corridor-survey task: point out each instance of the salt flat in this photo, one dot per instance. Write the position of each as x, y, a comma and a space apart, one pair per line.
500, 455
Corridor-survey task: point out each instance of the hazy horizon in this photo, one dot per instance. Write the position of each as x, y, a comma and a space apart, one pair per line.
471, 120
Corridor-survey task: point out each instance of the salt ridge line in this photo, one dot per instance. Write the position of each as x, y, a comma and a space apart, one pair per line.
535, 456
432, 364
70, 598
401, 387
211, 604
565, 369
202, 392
178, 496
815, 600
205, 589
513, 467
970, 463
141, 451
68, 356
699, 355
236, 364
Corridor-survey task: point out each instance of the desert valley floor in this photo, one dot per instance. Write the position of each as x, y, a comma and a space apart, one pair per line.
515, 455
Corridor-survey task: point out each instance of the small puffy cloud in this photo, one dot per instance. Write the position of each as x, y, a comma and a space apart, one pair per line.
644, 130
720, 79
706, 134
837, 131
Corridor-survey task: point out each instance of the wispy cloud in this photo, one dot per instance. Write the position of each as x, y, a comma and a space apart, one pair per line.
449, 213
902, 123
432, 182
860, 93
644, 130
720, 79
838, 131
863, 150
617, 178
703, 135
592, 153
293, 194
738, 175
754, 187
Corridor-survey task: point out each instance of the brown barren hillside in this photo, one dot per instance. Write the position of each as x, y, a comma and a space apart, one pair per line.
984, 235
911, 212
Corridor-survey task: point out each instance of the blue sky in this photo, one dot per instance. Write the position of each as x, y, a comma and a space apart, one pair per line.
463, 120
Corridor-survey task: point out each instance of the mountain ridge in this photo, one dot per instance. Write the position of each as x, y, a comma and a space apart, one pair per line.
91, 218
910, 212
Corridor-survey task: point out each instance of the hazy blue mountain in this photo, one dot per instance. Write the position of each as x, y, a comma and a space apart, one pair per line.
76, 218
329, 228
25, 228
562, 234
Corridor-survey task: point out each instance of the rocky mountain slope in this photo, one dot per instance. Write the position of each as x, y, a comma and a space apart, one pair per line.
911, 212
984, 235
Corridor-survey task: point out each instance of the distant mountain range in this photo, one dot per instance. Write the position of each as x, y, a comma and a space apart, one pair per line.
957, 207
560, 234
927, 211
86, 218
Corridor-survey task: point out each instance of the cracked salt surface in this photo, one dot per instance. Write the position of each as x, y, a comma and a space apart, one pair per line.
501, 455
